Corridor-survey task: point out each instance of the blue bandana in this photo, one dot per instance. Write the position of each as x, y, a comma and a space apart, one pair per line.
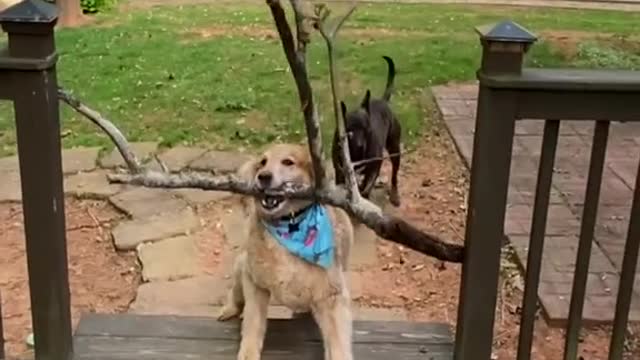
308, 235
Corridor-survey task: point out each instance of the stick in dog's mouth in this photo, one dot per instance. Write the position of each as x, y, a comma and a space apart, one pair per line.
269, 202
272, 199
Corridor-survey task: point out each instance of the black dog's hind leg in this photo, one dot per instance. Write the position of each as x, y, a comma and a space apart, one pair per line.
393, 148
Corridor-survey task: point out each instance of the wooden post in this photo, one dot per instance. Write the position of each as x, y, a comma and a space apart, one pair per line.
503, 48
31, 69
1, 332
70, 12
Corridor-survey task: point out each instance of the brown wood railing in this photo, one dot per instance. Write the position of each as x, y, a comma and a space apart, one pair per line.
508, 93
1, 331
28, 78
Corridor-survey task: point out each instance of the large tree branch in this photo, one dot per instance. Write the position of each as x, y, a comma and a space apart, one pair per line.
386, 226
296, 60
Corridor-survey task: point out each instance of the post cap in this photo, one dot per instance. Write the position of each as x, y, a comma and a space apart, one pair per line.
30, 11
506, 31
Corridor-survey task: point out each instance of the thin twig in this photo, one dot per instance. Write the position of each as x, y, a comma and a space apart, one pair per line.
95, 221
329, 35
455, 231
303, 36
107, 126
82, 227
161, 163
14, 213
384, 157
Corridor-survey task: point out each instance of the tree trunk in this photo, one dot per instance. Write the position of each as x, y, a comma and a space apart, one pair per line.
6, 3
70, 12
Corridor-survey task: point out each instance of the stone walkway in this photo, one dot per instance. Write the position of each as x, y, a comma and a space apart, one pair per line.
166, 228
457, 104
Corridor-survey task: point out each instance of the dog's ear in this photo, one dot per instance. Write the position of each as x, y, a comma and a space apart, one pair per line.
366, 101
247, 171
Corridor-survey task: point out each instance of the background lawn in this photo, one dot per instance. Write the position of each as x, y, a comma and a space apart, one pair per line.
216, 74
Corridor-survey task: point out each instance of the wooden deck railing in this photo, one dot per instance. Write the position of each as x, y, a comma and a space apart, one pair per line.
1, 331
28, 78
508, 92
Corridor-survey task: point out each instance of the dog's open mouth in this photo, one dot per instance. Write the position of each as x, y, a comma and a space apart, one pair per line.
271, 202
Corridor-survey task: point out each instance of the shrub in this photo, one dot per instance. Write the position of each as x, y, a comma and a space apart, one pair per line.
93, 6
600, 56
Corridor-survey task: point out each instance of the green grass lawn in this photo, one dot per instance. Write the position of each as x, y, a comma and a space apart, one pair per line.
217, 75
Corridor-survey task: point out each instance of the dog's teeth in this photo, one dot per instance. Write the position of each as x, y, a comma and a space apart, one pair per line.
270, 202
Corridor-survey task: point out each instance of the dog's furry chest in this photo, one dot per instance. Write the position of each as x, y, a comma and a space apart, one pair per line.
292, 281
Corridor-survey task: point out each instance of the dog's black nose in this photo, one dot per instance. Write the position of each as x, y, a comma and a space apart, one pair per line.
264, 178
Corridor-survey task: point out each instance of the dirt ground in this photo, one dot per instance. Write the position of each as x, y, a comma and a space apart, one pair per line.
101, 280
567, 42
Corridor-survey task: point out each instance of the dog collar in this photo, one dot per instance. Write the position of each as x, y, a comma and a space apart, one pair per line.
307, 234
296, 217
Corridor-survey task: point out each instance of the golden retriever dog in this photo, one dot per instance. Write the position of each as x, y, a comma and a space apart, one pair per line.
297, 252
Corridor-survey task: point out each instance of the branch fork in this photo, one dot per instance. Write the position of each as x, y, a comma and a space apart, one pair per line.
323, 190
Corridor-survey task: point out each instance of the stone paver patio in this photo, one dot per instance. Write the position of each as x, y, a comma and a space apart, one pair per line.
457, 104
164, 227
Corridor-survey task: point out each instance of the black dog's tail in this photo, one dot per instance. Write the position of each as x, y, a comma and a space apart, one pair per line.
390, 77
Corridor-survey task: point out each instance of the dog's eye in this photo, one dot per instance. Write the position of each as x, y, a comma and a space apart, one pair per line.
263, 162
287, 162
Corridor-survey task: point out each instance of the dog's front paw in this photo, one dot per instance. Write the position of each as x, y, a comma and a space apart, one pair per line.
248, 353
229, 312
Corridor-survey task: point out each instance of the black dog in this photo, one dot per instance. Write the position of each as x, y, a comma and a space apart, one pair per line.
370, 129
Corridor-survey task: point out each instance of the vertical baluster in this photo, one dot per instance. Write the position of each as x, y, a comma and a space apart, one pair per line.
485, 223
1, 331
589, 215
536, 244
629, 263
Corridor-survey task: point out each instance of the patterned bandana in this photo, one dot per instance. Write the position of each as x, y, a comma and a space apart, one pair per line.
308, 235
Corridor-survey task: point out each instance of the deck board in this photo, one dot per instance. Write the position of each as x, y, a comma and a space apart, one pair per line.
142, 337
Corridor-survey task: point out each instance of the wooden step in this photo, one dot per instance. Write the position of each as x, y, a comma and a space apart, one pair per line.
142, 337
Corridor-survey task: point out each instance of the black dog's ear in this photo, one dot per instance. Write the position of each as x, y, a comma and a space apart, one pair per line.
344, 109
366, 101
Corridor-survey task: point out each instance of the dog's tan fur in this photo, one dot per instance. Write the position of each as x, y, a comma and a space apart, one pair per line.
265, 269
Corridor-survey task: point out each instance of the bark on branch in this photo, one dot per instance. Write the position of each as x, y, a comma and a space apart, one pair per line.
386, 226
